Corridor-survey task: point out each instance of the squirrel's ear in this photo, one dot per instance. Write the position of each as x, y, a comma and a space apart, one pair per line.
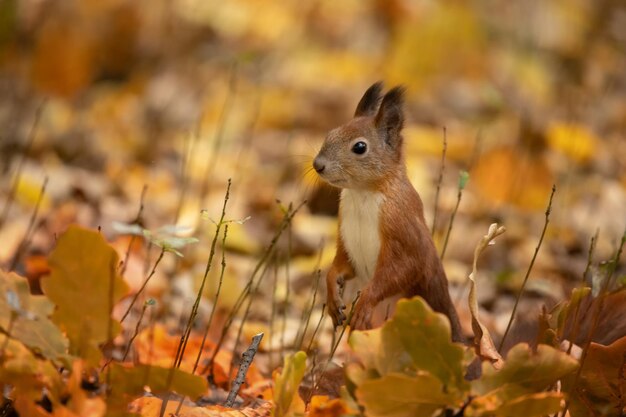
369, 102
390, 117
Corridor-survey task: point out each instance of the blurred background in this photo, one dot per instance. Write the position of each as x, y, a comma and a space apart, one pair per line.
106, 97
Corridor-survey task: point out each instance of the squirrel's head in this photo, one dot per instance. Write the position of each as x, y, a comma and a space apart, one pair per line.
368, 149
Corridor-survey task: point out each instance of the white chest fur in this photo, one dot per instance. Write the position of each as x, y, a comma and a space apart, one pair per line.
359, 229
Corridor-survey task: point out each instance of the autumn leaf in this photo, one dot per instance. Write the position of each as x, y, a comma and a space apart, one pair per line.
399, 395
157, 347
63, 61
602, 381
508, 175
322, 406
128, 382
408, 367
522, 380
538, 404
26, 373
417, 331
483, 342
286, 384
81, 402
574, 140
25, 318
83, 269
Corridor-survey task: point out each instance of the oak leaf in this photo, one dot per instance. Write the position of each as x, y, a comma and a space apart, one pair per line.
84, 284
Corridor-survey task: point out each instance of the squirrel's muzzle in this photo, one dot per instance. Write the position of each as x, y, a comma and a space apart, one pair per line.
319, 163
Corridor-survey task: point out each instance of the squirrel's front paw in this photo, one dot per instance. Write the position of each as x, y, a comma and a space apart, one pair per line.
336, 309
362, 315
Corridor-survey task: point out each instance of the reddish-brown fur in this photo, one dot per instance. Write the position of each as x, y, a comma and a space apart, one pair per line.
408, 263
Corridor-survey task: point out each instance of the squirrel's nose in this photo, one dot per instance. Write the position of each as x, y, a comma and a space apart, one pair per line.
319, 164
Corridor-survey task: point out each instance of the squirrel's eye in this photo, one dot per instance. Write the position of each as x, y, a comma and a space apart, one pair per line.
359, 148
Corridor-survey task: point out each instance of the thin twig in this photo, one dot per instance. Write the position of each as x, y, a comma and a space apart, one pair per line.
182, 343
439, 180
133, 237
273, 317
287, 290
29, 230
246, 360
244, 319
319, 324
215, 300
113, 275
143, 285
246, 291
20, 165
335, 345
194, 308
306, 313
576, 322
530, 267
132, 338
310, 311
463, 177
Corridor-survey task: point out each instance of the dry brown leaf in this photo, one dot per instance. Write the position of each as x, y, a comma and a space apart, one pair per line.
483, 342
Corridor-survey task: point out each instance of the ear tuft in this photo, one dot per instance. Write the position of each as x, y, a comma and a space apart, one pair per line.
390, 117
369, 102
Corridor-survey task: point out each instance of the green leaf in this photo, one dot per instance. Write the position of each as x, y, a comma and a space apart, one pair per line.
128, 382
287, 383
25, 318
463, 179
83, 270
417, 331
399, 395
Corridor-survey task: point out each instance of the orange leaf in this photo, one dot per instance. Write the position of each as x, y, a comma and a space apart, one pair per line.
321, 406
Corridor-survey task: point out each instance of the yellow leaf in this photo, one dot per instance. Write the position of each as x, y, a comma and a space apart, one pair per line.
26, 373
522, 380
286, 385
441, 28
81, 402
26, 316
84, 284
574, 140
29, 190
128, 382
399, 395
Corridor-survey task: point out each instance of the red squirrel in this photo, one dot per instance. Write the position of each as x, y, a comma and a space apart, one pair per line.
383, 240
